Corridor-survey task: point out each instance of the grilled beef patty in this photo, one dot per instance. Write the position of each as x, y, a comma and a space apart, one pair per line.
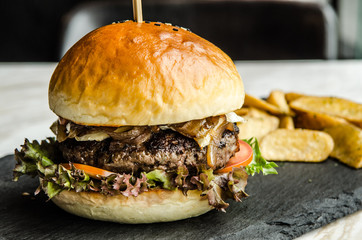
166, 149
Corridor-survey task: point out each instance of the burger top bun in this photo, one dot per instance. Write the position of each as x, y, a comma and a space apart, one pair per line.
143, 74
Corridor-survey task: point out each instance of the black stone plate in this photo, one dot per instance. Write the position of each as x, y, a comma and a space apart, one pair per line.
301, 198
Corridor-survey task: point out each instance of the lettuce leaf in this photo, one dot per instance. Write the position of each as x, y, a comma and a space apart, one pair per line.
124, 184
33, 157
159, 176
259, 164
181, 178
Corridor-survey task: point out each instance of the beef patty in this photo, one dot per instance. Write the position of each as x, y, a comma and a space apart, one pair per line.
165, 149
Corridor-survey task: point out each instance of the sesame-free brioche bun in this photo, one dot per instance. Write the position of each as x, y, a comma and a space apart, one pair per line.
143, 74
148, 207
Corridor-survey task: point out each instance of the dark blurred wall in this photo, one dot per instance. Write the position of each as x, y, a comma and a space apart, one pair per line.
30, 28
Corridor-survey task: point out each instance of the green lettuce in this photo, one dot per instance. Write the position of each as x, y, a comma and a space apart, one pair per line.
259, 164
33, 157
159, 176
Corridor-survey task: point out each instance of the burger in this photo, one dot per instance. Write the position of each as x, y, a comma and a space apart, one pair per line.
146, 129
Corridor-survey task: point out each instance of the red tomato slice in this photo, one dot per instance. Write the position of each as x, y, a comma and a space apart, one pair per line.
241, 158
91, 171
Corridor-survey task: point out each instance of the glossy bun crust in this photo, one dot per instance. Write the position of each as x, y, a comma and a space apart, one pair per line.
148, 207
143, 74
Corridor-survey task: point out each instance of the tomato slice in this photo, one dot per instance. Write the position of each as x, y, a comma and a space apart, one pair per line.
93, 172
241, 158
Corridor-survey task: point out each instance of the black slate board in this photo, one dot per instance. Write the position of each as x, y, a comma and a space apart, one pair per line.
301, 198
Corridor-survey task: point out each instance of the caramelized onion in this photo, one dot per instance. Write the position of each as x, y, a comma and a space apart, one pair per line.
206, 132
216, 135
191, 129
136, 135
129, 134
59, 130
210, 155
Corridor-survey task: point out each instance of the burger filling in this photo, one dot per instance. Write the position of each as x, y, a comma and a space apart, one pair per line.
162, 149
145, 148
183, 156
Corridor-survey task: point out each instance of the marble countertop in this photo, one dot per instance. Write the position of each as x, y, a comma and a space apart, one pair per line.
24, 106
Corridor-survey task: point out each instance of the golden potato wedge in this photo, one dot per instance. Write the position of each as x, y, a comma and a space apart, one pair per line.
277, 98
286, 122
291, 96
259, 123
316, 121
251, 101
338, 107
347, 144
242, 111
296, 145
358, 124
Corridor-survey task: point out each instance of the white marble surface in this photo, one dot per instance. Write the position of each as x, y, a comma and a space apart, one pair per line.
24, 108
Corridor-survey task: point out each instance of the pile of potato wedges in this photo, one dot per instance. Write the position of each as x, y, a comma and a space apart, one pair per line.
298, 127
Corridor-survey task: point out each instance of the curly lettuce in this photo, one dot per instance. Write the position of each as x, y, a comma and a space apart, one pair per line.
33, 157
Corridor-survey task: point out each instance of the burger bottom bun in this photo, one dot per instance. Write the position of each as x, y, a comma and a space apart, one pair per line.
148, 207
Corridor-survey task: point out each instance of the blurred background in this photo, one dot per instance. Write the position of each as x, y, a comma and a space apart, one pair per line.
42, 30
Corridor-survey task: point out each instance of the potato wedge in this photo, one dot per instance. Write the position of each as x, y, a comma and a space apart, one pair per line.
242, 111
338, 107
286, 122
251, 101
291, 96
296, 145
316, 121
277, 98
259, 123
348, 144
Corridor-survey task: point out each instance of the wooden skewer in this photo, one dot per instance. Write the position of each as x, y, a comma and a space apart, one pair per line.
137, 10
